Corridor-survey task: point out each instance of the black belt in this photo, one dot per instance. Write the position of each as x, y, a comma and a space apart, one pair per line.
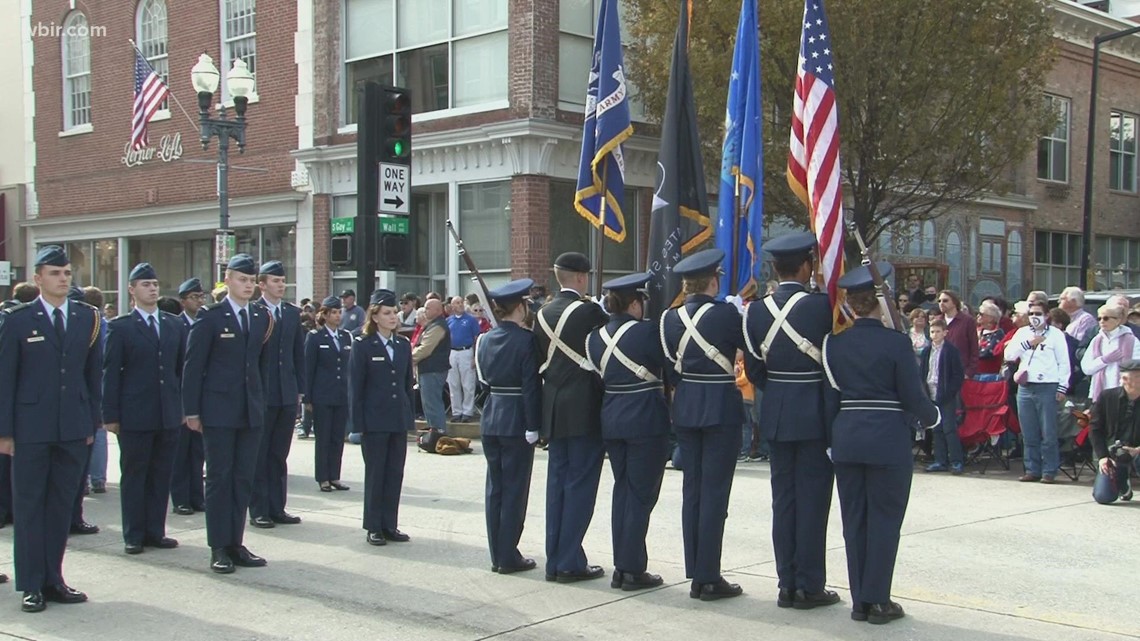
775, 376
634, 388
868, 404
691, 377
500, 390
461, 349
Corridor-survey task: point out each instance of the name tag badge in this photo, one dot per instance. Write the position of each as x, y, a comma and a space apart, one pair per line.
378, 359
324, 347
226, 336
35, 339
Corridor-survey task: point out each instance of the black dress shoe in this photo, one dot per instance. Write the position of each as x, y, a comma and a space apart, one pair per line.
184, 510
286, 519
165, 543
395, 536
199, 507
720, 590
786, 598
133, 548
523, 566
243, 558
33, 602
325, 487
880, 613
375, 538
859, 611
63, 593
638, 581
263, 522
591, 572
83, 527
3, 578
220, 561
337, 485
807, 600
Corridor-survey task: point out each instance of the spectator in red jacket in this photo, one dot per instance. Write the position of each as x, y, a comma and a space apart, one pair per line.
961, 330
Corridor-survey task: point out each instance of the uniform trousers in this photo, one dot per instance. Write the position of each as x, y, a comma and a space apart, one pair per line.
5, 489
80, 489
574, 469
45, 478
461, 383
271, 481
708, 456
186, 486
145, 463
328, 426
872, 500
801, 499
384, 455
510, 460
231, 455
638, 465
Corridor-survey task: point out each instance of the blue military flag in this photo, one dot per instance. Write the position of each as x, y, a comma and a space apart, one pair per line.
601, 169
740, 217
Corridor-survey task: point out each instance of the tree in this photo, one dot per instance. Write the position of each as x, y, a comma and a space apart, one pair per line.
939, 99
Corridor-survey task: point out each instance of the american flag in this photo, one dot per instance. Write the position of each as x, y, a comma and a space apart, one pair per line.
150, 91
813, 162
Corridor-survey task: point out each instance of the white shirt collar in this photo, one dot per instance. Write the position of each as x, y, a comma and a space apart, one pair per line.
234, 305
146, 315
50, 309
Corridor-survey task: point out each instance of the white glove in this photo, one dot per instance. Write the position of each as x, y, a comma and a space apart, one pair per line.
532, 437
829, 455
737, 302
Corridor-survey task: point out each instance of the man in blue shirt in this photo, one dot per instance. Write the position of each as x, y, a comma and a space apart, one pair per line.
464, 330
352, 318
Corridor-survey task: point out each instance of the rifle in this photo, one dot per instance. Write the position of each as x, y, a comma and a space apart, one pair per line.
482, 292
886, 303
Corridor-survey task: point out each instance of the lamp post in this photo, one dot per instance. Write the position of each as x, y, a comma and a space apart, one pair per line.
1087, 282
239, 81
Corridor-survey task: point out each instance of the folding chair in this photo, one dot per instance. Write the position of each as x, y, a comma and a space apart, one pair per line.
1076, 450
984, 420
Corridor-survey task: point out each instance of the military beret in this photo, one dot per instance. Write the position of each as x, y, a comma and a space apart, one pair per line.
573, 262
272, 268
859, 279
385, 297
191, 286
143, 271
629, 281
332, 302
52, 255
1130, 365
348, 292
706, 260
791, 244
75, 293
516, 289
243, 264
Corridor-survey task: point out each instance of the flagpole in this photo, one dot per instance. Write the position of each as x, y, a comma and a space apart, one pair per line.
601, 235
193, 123
733, 286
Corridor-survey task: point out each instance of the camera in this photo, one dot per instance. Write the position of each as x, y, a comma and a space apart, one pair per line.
1118, 454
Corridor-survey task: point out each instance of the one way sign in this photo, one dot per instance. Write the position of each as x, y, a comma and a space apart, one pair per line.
395, 189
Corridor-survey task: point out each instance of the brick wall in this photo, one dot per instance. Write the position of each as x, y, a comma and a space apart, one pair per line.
83, 174
530, 228
322, 213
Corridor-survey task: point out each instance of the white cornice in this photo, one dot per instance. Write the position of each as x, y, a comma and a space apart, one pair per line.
1079, 25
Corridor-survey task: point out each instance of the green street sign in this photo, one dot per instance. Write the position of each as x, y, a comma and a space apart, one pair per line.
394, 225
342, 225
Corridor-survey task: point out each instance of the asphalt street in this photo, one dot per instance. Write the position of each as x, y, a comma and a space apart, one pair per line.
983, 557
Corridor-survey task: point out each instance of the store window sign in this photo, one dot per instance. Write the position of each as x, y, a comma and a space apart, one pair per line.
169, 148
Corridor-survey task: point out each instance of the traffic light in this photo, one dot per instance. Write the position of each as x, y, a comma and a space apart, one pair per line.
396, 139
340, 250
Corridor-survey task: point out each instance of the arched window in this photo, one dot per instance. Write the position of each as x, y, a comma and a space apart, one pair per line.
954, 260
76, 72
1013, 265
150, 36
928, 239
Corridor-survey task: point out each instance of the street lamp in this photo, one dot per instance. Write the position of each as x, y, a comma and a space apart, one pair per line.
239, 81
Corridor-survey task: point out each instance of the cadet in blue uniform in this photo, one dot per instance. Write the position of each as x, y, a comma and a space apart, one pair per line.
784, 333
507, 362
876, 391
380, 390
142, 405
284, 383
326, 391
635, 423
187, 491
701, 338
223, 398
571, 420
50, 391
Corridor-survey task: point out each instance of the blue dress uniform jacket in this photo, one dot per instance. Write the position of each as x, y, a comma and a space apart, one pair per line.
50, 396
876, 391
221, 380
186, 488
507, 361
706, 396
571, 396
285, 352
326, 388
142, 373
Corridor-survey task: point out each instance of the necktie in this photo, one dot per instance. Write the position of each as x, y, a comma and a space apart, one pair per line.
153, 325
391, 352
57, 320
277, 314
336, 341
244, 322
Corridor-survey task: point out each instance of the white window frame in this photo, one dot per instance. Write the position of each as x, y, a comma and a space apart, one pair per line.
82, 37
1115, 177
1051, 99
637, 110
159, 59
227, 40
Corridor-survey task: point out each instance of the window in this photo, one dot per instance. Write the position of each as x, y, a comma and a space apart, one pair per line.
448, 53
1013, 266
150, 32
1117, 262
569, 231
76, 72
915, 238
954, 261
1122, 153
1056, 260
1053, 148
577, 20
485, 223
992, 234
239, 36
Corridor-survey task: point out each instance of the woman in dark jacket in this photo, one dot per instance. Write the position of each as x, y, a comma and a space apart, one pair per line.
326, 397
506, 359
